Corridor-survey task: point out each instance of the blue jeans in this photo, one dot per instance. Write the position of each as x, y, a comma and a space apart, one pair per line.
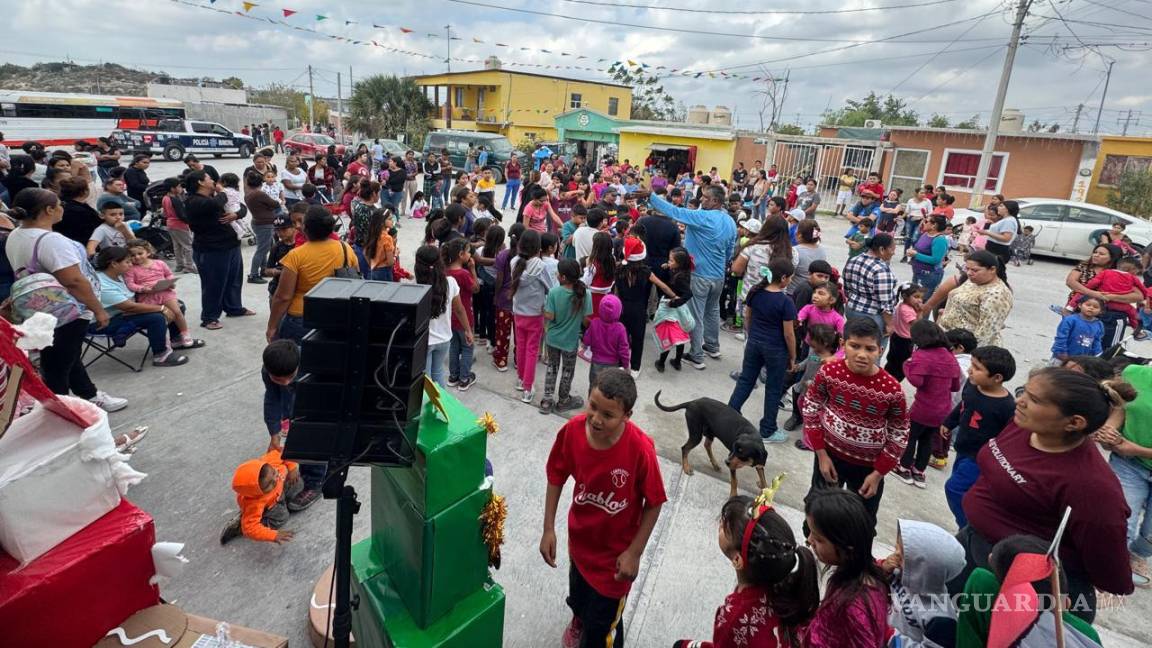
380, 274
1136, 481
221, 282
459, 356
437, 354
774, 362
911, 231
153, 324
511, 190
964, 474
291, 327
705, 307
278, 403
929, 280
392, 198
264, 235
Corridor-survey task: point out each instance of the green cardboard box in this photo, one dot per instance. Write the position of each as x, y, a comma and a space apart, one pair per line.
382, 621
449, 459
436, 561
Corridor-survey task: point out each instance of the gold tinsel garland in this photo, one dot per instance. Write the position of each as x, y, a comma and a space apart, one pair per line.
492, 527
488, 422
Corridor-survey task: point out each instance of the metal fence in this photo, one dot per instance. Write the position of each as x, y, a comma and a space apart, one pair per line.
825, 161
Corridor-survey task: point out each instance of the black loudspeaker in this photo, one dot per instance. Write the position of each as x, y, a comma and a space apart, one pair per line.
362, 374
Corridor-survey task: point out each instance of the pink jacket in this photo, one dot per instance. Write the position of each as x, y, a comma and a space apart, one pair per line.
935, 374
607, 337
861, 622
141, 278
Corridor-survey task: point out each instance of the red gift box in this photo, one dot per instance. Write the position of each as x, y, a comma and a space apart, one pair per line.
86, 585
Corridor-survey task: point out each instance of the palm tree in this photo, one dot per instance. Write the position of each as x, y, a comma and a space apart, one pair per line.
385, 106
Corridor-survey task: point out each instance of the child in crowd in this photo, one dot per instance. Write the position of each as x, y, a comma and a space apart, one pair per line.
857, 239
531, 282
273, 188
548, 244
900, 342
821, 310
502, 300
1022, 246
172, 206
776, 582
771, 345
459, 265
985, 408
1081, 333
606, 340
634, 281
446, 307
419, 206
926, 558
567, 306
935, 374
234, 202
823, 343
567, 245
262, 486
153, 283
380, 245
600, 271
855, 417
673, 320
539, 211
285, 231
113, 232
486, 185
962, 342
982, 599
964, 242
483, 302
1122, 280
617, 498
840, 530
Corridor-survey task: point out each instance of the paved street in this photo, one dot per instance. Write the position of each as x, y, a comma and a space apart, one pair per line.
205, 419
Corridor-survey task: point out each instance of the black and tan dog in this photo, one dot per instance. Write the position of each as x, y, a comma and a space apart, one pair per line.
710, 419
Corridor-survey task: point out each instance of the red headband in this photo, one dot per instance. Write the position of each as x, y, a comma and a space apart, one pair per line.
751, 527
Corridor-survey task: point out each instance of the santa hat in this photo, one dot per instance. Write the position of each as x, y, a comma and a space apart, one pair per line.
634, 250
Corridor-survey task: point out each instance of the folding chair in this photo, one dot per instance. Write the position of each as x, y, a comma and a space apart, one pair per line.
104, 343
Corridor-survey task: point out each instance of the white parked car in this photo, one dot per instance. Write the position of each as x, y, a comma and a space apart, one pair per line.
1064, 228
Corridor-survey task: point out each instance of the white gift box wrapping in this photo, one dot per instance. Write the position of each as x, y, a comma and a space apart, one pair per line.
56, 478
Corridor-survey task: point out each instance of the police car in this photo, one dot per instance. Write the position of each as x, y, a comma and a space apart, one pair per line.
174, 138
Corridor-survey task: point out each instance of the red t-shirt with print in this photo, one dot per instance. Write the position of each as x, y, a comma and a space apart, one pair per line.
464, 280
612, 489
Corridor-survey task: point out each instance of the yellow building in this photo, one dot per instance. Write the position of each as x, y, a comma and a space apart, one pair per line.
1117, 155
518, 105
700, 147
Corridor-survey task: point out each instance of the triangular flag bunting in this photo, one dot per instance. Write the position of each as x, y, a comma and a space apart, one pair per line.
631, 63
319, 17
476, 40
287, 12
405, 30
379, 26
248, 6
546, 51
501, 45
350, 22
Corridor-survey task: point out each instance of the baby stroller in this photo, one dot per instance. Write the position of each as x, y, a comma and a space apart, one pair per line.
151, 226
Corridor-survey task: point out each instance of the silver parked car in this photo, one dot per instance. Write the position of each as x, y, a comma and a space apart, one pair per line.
1065, 228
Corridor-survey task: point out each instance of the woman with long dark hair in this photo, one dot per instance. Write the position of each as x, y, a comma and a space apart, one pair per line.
1003, 230
982, 303
216, 251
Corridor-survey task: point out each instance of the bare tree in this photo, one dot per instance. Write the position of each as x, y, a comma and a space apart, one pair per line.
772, 91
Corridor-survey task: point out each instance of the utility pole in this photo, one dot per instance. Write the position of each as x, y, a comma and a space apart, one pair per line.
99, 67
1127, 122
1100, 111
1076, 119
311, 101
340, 105
448, 41
998, 107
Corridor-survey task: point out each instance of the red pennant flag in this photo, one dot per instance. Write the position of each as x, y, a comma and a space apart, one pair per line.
288, 12
405, 30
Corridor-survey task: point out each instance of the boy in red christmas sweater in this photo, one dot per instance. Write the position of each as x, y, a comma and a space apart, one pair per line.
856, 418
615, 504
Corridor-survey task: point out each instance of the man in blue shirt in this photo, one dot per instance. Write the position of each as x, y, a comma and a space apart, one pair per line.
710, 237
868, 207
542, 153
482, 158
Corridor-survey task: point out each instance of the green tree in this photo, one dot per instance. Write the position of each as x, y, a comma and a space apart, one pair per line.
294, 101
649, 99
937, 121
789, 129
386, 106
233, 82
972, 123
1133, 194
889, 110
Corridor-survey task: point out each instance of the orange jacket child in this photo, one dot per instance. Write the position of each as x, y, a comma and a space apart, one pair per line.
260, 486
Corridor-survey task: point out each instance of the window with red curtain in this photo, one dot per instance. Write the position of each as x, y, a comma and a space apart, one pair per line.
960, 170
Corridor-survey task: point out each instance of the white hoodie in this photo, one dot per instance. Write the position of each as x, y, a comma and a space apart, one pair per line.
919, 590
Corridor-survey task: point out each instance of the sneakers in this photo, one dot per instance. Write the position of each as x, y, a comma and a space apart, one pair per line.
568, 404
729, 327
635, 373
528, 396
715, 355
547, 405
675, 364
257, 280
305, 498
500, 367
918, 479
572, 634
660, 366
905, 474
1140, 575
466, 382
741, 336
519, 385
107, 402
939, 463
779, 436
453, 381
231, 530
800, 445
696, 364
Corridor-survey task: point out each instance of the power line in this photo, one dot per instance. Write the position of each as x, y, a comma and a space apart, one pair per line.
1116, 9
620, 5
958, 74
696, 32
938, 53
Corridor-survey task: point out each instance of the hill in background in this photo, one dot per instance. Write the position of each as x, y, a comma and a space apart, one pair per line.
106, 79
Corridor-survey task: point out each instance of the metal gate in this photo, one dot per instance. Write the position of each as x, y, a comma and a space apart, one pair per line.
824, 161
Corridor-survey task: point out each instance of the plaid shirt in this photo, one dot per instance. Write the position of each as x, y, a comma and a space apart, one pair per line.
870, 284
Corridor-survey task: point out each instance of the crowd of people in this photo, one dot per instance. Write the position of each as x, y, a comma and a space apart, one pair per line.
579, 263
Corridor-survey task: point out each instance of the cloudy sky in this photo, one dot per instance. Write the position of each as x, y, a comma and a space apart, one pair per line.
942, 56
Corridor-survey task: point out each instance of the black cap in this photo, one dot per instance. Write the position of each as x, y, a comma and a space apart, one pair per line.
282, 222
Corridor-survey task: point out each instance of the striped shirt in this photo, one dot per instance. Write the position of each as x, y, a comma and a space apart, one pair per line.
870, 285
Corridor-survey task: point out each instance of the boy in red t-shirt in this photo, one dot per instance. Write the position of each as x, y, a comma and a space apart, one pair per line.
615, 503
874, 185
458, 263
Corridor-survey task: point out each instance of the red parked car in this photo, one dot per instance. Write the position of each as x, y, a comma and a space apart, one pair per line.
311, 145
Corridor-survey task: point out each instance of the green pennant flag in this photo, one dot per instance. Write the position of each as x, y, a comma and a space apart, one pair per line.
319, 17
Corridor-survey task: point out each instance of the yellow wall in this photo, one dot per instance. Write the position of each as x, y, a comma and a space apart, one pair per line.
1111, 145
709, 152
528, 103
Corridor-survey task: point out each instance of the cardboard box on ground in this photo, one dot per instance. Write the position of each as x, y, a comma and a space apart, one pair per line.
167, 626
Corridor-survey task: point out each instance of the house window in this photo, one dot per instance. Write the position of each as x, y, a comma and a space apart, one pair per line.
613, 106
458, 98
908, 169
958, 170
576, 101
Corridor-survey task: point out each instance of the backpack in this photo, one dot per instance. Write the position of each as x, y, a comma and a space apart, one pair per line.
40, 292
